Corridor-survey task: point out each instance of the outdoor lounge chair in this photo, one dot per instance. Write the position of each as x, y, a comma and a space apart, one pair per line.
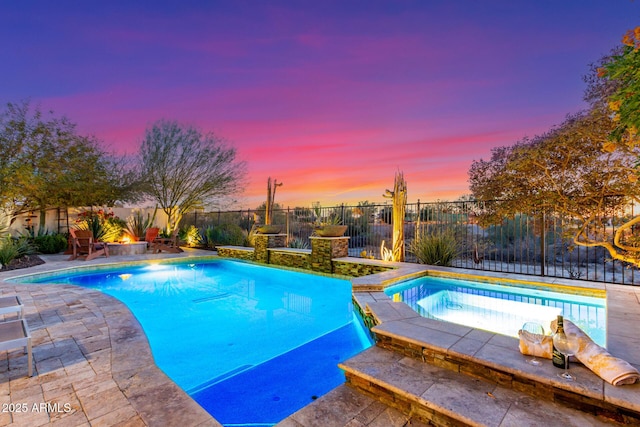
83, 244
12, 304
167, 244
15, 333
150, 235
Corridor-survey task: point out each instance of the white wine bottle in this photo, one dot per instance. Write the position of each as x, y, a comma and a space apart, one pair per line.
558, 358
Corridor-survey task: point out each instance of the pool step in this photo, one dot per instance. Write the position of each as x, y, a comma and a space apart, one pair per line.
442, 397
264, 394
496, 358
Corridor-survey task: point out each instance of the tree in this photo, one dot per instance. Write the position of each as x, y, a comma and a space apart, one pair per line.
569, 170
48, 164
623, 69
186, 169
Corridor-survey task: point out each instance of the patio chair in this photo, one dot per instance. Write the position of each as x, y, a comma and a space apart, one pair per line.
12, 304
150, 235
167, 244
15, 333
85, 246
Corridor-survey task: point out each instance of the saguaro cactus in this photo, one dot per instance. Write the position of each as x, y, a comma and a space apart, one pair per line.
399, 198
271, 196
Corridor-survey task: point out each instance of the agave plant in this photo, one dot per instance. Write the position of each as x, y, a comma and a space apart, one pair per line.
105, 227
435, 248
11, 249
298, 243
137, 224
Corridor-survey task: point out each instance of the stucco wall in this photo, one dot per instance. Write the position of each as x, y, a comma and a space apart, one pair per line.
56, 221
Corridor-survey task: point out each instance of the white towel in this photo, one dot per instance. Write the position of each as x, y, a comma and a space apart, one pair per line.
530, 347
611, 369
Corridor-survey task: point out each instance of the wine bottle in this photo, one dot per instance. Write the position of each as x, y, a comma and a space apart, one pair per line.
558, 358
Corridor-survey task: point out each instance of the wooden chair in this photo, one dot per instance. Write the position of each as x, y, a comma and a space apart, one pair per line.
167, 244
84, 245
150, 235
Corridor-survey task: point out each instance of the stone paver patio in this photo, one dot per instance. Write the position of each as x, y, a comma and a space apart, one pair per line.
93, 364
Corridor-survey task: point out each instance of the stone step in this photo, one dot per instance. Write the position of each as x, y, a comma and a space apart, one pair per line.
496, 358
442, 397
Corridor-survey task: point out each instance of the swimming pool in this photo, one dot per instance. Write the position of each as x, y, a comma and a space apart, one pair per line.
500, 308
250, 344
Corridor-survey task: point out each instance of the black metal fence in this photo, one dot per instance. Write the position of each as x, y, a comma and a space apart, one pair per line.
524, 244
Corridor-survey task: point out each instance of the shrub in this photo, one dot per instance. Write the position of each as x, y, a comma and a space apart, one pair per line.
105, 226
137, 224
224, 234
298, 243
8, 251
50, 243
191, 236
11, 249
511, 230
435, 248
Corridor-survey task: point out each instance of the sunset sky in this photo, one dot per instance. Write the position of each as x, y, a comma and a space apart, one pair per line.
329, 97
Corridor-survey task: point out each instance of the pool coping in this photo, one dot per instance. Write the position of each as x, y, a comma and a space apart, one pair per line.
397, 319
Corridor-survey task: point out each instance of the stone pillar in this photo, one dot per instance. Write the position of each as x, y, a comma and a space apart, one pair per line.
265, 241
324, 249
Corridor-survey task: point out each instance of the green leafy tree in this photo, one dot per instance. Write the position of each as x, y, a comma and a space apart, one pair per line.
48, 164
186, 169
623, 70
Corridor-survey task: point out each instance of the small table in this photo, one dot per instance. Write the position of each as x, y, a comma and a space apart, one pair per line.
12, 304
15, 333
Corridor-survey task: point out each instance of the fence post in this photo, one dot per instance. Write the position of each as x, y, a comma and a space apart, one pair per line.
543, 244
418, 219
287, 222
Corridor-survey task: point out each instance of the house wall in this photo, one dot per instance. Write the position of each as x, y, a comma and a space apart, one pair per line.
57, 221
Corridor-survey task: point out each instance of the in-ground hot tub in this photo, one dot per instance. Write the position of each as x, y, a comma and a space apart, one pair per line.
500, 307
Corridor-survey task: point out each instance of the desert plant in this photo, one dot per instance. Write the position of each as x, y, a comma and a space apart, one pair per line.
105, 226
8, 251
50, 243
298, 243
11, 249
250, 240
511, 230
435, 247
137, 224
224, 234
191, 236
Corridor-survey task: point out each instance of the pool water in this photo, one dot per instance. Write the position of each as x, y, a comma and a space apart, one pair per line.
250, 344
500, 308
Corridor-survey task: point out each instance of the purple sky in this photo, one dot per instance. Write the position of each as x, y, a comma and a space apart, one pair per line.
331, 98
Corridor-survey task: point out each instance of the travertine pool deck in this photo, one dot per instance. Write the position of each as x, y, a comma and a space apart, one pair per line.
93, 365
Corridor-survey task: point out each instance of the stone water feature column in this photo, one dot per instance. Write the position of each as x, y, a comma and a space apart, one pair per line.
265, 241
324, 249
